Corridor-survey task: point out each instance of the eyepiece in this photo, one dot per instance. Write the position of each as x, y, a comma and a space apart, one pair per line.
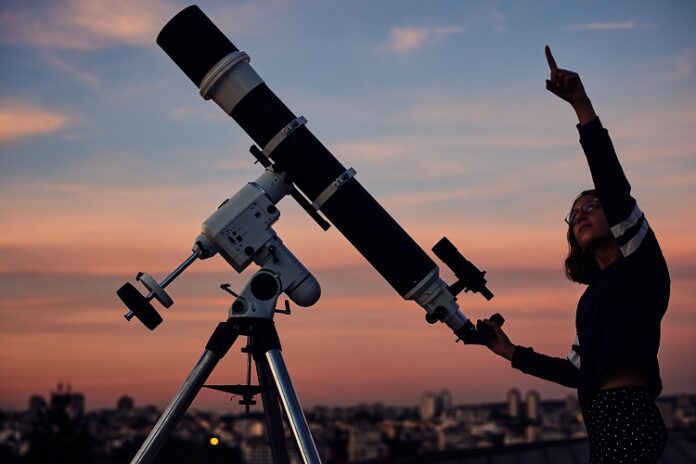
194, 43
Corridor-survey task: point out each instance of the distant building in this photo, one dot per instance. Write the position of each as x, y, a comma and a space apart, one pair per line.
433, 406
571, 403
37, 404
667, 411
428, 406
532, 433
685, 403
250, 426
472, 415
125, 403
513, 403
256, 450
454, 437
532, 403
445, 401
364, 442
64, 399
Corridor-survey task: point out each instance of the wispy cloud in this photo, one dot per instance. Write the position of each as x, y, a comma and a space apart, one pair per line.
22, 120
86, 24
81, 75
386, 149
685, 62
612, 26
410, 39
96, 24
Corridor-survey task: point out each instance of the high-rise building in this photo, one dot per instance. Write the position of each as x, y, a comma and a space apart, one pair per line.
532, 403
513, 403
445, 401
435, 405
428, 406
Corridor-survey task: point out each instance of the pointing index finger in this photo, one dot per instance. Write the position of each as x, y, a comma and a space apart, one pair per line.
549, 59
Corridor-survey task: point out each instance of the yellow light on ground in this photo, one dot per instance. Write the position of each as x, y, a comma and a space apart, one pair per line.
214, 441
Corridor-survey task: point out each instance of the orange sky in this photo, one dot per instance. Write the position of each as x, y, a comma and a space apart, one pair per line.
110, 160
361, 342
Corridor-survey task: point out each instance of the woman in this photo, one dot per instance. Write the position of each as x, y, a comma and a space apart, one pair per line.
613, 362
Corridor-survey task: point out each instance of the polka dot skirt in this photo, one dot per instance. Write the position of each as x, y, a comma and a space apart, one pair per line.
624, 426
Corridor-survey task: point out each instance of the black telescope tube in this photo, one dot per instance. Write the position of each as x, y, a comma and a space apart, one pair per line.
196, 45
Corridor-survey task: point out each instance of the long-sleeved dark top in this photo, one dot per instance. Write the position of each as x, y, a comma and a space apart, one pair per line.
618, 316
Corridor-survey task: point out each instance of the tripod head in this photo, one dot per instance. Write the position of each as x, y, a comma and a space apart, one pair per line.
240, 231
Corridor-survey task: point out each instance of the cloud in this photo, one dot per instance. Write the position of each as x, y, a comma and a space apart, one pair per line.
386, 149
685, 62
85, 77
96, 24
22, 120
409, 39
86, 24
611, 26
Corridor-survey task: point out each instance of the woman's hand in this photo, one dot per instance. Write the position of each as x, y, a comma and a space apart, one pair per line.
563, 83
568, 86
500, 344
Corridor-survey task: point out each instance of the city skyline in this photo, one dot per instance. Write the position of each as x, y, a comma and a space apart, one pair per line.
110, 160
435, 430
426, 397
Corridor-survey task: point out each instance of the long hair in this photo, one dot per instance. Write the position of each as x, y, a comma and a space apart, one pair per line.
580, 265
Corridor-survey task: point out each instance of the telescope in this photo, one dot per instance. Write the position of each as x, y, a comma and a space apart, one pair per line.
240, 231
222, 73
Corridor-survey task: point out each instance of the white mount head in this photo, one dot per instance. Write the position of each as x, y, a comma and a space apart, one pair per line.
240, 231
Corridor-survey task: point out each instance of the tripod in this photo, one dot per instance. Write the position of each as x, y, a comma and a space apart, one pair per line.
274, 384
240, 230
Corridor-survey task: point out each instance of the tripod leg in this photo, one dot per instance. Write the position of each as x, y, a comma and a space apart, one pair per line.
218, 345
291, 405
271, 409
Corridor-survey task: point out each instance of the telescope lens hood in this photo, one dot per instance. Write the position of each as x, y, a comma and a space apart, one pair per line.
194, 43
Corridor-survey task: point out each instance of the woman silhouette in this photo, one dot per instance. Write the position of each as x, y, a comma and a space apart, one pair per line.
613, 361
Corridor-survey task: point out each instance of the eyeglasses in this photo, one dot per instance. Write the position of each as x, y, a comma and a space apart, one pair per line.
585, 208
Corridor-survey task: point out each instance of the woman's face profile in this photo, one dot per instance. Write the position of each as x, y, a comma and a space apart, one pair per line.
589, 227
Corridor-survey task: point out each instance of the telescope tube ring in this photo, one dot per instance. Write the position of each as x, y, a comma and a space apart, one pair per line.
282, 134
333, 188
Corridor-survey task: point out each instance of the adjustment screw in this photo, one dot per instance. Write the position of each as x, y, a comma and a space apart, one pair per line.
237, 307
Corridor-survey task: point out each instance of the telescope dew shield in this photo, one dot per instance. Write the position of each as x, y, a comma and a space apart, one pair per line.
224, 75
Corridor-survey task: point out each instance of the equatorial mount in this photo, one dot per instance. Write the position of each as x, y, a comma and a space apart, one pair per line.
240, 231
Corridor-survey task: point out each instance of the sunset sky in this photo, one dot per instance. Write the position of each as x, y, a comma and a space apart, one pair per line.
110, 160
